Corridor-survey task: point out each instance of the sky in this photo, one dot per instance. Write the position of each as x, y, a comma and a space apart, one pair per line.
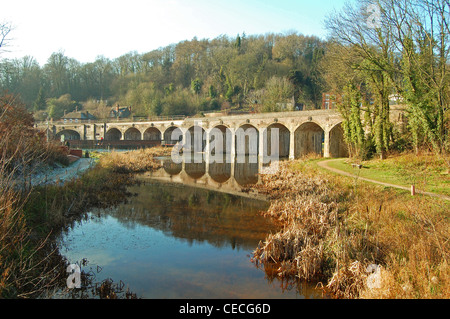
85, 29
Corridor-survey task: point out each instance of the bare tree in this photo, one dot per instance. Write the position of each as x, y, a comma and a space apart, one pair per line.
406, 51
373, 48
421, 31
5, 30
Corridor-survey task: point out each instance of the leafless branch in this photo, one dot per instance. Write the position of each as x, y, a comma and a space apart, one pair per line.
5, 30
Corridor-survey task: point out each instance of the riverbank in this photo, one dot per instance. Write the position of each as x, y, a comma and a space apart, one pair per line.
358, 239
428, 173
336, 230
30, 263
358, 175
62, 174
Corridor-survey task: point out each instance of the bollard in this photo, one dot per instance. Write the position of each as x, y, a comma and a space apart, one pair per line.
413, 190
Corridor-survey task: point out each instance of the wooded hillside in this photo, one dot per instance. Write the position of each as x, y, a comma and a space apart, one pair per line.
376, 52
186, 78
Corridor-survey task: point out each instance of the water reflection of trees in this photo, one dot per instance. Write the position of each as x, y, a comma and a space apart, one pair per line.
306, 289
196, 215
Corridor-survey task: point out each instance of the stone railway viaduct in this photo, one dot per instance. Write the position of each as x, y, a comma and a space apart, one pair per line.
300, 132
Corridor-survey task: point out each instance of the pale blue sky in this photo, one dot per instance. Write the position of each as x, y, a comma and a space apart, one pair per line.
85, 29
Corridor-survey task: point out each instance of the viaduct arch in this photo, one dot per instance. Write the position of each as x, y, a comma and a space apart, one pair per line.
68, 135
299, 133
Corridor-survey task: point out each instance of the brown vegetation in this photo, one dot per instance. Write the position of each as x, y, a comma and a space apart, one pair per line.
24, 266
52, 208
135, 161
23, 146
335, 228
30, 217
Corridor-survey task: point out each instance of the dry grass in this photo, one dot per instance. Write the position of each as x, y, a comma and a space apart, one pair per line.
304, 204
135, 161
334, 228
26, 266
30, 265
27, 263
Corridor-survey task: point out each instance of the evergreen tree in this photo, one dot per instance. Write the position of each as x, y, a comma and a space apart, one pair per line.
40, 103
212, 92
237, 43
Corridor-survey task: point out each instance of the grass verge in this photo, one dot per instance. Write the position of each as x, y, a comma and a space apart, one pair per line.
425, 171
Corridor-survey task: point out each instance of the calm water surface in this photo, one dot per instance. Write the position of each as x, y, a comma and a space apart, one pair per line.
172, 240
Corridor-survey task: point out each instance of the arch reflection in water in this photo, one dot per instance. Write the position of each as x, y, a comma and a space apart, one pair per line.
174, 241
197, 214
222, 176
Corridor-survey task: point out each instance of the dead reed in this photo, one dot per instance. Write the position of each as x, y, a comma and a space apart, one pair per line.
50, 209
135, 161
302, 203
334, 228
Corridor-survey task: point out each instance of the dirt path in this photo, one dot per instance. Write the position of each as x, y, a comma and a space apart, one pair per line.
324, 164
63, 174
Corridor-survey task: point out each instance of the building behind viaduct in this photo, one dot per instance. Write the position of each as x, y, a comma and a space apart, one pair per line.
299, 133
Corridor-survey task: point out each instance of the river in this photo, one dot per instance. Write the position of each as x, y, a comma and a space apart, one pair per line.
186, 232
